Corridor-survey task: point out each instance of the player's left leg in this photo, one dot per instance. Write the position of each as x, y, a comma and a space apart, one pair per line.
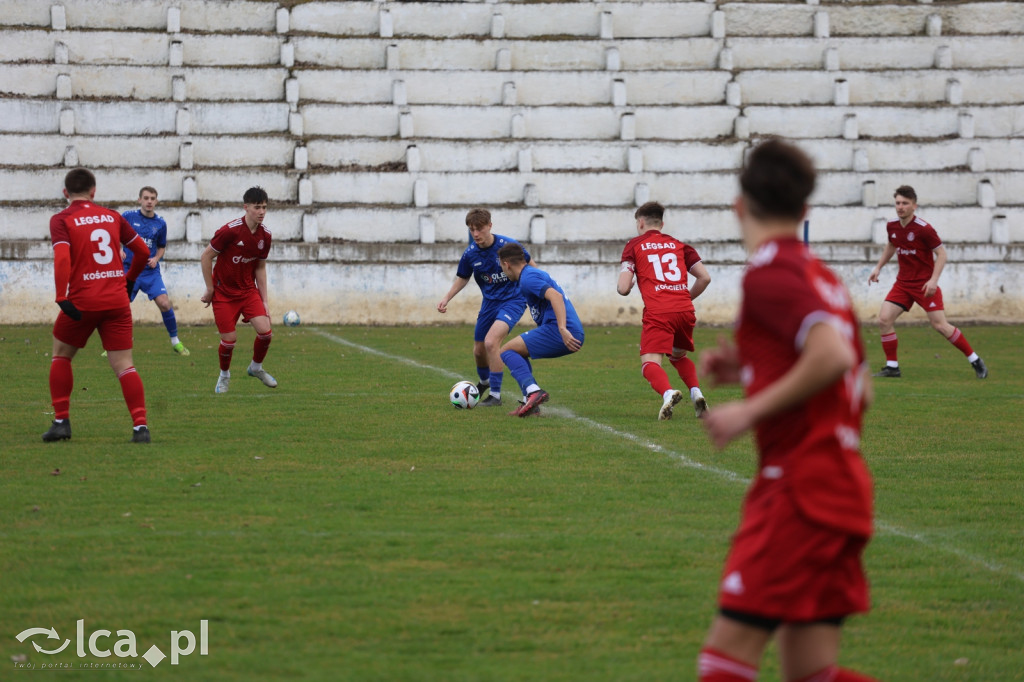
515, 355
495, 367
62, 382
732, 651
808, 653
937, 318
116, 334
688, 373
261, 345
163, 302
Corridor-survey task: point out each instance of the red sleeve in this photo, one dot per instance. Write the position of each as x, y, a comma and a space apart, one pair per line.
220, 239
628, 253
690, 256
61, 269
931, 238
59, 231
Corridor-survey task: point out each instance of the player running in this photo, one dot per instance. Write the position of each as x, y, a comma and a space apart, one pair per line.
794, 571
237, 285
93, 296
153, 230
559, 331
660, 263
921, 257
502, 304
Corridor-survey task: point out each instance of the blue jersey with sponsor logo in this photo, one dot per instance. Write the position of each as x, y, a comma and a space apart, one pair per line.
152, 230
485, 268
533, 282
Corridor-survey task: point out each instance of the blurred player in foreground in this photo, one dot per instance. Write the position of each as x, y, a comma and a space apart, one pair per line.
794, 571
921, 257
93, 296
559, 330
660, 263
237, 285
153, 230
502, 304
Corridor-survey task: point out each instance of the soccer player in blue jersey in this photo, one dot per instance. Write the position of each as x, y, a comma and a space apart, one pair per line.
559, 331
502, 305
153, 231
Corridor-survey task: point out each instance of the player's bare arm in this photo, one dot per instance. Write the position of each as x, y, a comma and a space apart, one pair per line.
887, 253
260, 276
558, 306
626, 279
703, 279
932, 284
206, 261
826, 356
458, 284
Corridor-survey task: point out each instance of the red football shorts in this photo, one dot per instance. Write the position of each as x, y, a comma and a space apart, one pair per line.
905, 296
114, 326
783, 567
227, 310
664, 331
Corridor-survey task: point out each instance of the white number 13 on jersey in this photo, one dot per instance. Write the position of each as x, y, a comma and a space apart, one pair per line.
104, 254
670, 272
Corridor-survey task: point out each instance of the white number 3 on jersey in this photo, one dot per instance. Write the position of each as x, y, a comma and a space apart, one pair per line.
670, 272
104, 254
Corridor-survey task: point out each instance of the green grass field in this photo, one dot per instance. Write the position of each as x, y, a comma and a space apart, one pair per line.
350, 525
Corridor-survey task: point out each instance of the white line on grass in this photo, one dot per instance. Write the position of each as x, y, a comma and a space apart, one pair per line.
880, 525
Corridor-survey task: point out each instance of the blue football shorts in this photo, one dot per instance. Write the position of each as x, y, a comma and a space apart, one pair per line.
508, 312
546, 342
151, 283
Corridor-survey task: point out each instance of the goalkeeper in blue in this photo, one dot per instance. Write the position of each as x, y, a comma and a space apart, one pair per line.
153, 231
559, 331
501, 308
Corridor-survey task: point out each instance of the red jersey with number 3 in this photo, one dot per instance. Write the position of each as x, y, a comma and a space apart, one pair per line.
810, 451
914, 246
661, 264
238, 251
94, 235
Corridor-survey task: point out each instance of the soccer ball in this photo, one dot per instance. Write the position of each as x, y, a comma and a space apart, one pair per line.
291, 319
464, 395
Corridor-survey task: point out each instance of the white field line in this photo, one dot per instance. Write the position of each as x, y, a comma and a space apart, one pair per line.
880, 524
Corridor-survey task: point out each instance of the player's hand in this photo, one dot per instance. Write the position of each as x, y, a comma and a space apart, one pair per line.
570, 341
151, 263
207, 297
69, 309
442, 306
873, 277
130, 288
721, 365
727, 422
930, 288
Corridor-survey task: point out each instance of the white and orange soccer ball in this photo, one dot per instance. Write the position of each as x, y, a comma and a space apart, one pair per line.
464, 395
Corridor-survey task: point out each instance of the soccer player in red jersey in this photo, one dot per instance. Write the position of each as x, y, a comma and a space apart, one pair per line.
794, 571
660, 264
93, 296
921, 257
237, 285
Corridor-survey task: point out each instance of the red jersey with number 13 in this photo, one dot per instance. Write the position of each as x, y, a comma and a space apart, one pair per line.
661, 264
810, 452
238, 250
94, 235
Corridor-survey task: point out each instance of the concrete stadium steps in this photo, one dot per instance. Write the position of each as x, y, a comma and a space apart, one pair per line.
234, 16
867, 53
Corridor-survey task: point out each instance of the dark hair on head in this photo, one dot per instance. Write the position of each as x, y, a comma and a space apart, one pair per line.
147, 188
777, 180
512, 253
652, 212
905, 191
255, 195
478, 217
79, 181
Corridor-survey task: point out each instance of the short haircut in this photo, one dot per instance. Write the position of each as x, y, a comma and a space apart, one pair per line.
147, 188
652, 212
478, 217
79, 181
255, 195
777, 180
905, 191
512, 253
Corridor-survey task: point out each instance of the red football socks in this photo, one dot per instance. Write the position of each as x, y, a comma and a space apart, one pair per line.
225, 350
61, 383
958, 340
134, 395
260, 346
656, 377
834, 673
687, 371
714, 666
889, 344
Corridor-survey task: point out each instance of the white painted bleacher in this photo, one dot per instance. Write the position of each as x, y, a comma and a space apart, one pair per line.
381, 121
